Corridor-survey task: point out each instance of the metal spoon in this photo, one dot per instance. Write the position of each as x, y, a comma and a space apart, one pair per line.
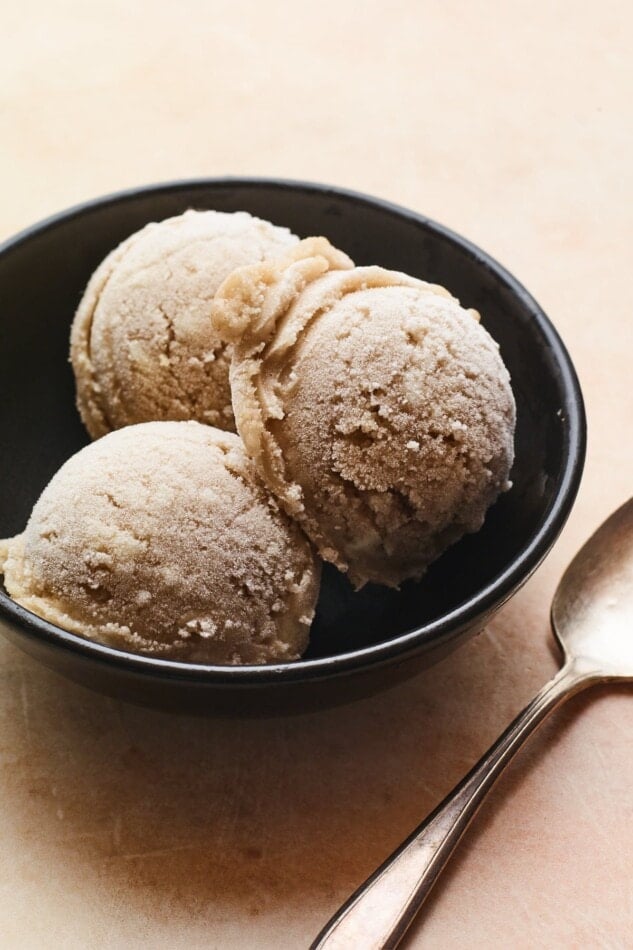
592, 618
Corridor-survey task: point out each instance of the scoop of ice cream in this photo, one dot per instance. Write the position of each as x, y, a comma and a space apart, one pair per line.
375, 407
161, 539
143, 344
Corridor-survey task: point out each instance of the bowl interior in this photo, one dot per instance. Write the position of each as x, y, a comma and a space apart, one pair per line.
42, 277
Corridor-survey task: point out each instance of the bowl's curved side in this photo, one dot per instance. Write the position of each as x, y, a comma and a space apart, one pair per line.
239, 691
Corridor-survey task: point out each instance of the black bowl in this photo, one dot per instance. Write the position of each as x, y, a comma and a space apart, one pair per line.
360, 641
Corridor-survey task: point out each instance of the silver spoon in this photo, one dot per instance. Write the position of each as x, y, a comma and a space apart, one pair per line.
592, 617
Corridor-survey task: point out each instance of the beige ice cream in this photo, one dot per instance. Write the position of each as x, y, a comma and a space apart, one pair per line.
375, 407
160, 539
143, 346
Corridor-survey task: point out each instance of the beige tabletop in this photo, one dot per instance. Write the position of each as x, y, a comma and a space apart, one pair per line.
511, 123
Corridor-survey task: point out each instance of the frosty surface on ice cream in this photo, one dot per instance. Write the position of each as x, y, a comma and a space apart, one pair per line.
160, 539
143, 345
376, 408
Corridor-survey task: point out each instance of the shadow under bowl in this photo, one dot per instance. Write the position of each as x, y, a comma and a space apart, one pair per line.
360, 642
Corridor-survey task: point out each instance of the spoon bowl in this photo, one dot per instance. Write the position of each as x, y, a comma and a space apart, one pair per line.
592, 611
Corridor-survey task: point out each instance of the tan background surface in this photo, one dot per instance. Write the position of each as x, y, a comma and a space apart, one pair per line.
510, 122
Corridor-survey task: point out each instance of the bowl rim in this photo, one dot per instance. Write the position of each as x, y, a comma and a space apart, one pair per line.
437, 631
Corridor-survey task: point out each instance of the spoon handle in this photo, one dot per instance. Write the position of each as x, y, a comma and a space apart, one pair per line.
377, 915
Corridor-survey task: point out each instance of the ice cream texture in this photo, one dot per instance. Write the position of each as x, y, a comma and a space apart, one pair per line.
143, 344
375, 407
160, 539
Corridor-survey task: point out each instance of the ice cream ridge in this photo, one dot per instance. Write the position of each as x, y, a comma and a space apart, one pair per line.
142, 345
160, 539
375, 407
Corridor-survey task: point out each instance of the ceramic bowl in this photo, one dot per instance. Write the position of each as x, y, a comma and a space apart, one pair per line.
361, 641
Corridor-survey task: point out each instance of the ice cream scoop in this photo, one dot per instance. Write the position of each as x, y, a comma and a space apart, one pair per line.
143, 344
161, 539
376, 408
